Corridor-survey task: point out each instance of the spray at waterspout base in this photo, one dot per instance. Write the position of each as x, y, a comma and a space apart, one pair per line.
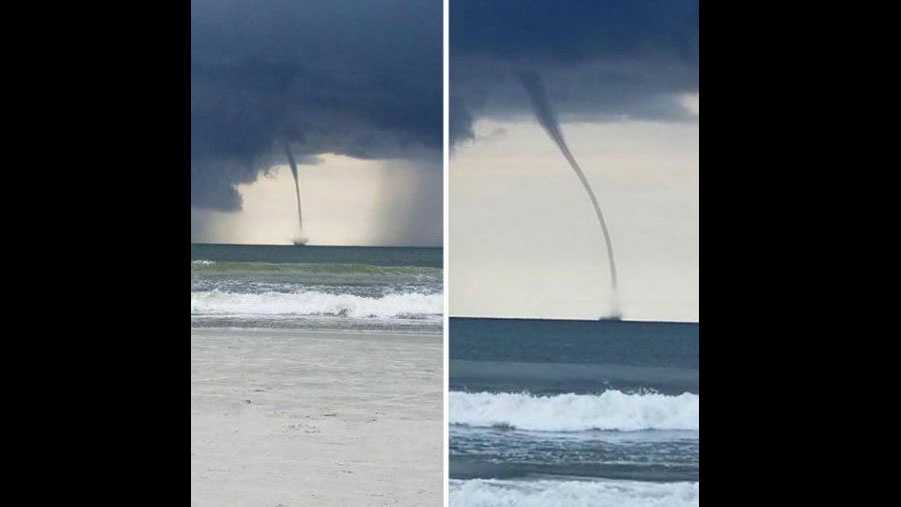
615, 312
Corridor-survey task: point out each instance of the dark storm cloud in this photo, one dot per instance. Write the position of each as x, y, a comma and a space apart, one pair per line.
351, 77
599, 59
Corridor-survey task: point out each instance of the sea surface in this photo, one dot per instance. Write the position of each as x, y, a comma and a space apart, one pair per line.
395, 289
555, 412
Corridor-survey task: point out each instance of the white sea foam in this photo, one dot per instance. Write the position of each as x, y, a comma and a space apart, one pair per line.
301, 303
610, 410
545, 493
202, 262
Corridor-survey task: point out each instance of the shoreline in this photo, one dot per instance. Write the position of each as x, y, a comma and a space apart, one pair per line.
319, 333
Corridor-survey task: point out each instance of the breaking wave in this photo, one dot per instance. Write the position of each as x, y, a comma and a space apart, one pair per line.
610, 410
546, 493
314, 303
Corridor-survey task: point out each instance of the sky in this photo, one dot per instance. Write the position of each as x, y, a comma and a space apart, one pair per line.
622, 78
353, 88
346, 201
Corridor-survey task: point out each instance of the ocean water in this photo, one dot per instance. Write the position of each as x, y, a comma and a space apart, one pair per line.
546, 412
394, 289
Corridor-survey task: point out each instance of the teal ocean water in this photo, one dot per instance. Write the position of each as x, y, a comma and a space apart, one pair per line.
562, 412
317, 287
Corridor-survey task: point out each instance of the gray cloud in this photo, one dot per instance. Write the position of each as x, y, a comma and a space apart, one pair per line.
361, 79
600, 61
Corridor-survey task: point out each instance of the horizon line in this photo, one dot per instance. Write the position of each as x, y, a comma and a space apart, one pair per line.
308, 245
574, 320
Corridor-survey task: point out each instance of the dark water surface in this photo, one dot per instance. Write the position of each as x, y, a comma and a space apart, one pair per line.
539, 399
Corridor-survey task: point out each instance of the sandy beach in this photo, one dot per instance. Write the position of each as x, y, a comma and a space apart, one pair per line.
294, 417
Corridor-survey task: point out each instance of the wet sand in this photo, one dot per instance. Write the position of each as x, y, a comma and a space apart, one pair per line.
294, 417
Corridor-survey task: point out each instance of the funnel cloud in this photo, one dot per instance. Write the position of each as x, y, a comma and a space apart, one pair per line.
546, 117
300, 239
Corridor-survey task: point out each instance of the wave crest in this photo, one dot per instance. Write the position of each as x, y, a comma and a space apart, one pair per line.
545, 493
314, 303
611, 410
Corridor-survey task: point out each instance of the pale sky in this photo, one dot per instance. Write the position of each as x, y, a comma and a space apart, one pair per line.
524, 241
346, 201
